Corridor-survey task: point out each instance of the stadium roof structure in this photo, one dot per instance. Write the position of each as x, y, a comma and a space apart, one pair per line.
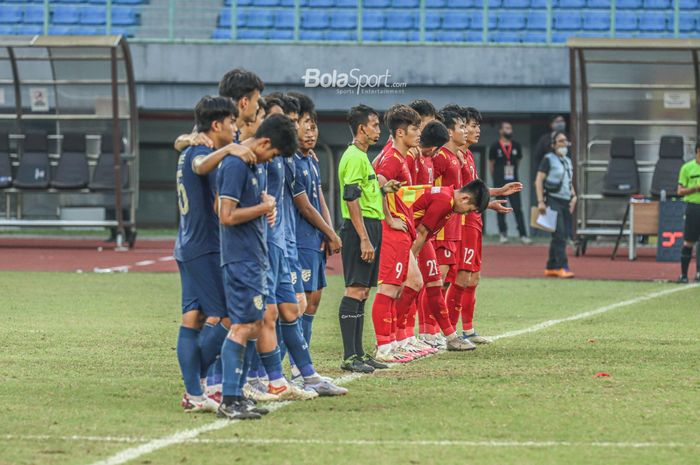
78, 84
636, 88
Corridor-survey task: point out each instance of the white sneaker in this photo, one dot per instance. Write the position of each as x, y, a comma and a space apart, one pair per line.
459, 344
420, 345
201, 403
503, 239
258, 392
291, 392
391, 355
476, 339
525, 240
442, 342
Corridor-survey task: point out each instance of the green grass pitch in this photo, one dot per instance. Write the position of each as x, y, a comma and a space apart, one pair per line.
88, 369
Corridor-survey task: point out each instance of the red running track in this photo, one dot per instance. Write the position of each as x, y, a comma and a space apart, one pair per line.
67, 254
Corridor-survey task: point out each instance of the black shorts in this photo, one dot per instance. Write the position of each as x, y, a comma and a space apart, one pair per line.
691, 231
356, 271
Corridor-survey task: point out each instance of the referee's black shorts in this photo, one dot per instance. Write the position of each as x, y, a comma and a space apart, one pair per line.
356, 271
691, 231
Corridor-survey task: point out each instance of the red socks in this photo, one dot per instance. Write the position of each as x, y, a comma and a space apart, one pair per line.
410, 327
453, 300
403, 307
468, 304
438, 309
383, 318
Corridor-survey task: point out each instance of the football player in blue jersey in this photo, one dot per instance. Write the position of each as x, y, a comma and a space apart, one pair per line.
197, 247
244, 208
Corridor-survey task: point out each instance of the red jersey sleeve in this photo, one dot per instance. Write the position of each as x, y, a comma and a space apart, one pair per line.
390, 167
437, 209
441, 163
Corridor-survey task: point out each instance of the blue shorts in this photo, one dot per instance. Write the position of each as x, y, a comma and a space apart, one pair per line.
245, 285
279, 278
313, 269
203, 285
295, 272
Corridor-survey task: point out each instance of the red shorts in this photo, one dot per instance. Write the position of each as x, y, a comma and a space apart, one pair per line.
427, 262
393, 257
470, 250
446, 252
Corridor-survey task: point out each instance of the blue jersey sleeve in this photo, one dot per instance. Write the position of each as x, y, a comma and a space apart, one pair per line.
299, 176
231, 179
293, 188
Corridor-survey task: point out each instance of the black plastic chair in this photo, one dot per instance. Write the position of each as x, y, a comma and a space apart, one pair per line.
33, 171
103, 176
72, 171
5, 165
622, 178
667, 167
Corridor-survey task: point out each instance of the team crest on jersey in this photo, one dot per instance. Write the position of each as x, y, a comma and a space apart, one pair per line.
254, 182
306, 172
434, 190
454, 162
294, 277
305, 275
258, 302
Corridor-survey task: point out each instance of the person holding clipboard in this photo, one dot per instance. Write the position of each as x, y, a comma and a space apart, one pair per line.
555, 191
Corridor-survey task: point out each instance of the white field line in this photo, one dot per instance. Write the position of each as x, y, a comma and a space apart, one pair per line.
362, 442
145, 263
188, 435
126, 268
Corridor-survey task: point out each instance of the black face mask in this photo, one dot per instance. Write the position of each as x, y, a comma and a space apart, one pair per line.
508, 135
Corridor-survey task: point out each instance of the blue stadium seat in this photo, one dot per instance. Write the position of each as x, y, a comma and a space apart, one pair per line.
311, 35
124, 16
510, 21
288, 3
567, 20
596, 21
313, 19
320, 3
433, 20
376, 3
94, 15
534, 37
653, 21
685, 23
239, 3
29, 29
344, 20
87, 30
400, 36
625, 21
33, 14
402, 20
456, 21
541, 4
345, 4
495, 3
221, 34
655, 35
341, 35
537, 21
283, 19
6, 30
10, 14
278, 34
460, 4
516, 4
405, 3
689, 4
372, 20
570, 4
60, 30
598, 4
657, 4
371, 36
265, 3
225, 18
628, 5
476, 21
504, 37
65, 15
435, 4
251, 34
260, 19
445, 36
560, 36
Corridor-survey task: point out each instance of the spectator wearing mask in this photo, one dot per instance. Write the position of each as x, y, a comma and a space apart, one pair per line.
555, 190
504, 158
556, 124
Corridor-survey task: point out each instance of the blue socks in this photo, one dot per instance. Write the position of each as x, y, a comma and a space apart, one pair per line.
250, 351
232, 362
306, 322
280, 341
189, 357
298, 348
215, 372
210, 341
272, 363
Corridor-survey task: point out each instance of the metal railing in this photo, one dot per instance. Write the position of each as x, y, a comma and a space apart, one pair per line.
185, 21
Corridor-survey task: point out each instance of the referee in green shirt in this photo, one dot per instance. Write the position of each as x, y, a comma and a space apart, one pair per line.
361, 232
689, 188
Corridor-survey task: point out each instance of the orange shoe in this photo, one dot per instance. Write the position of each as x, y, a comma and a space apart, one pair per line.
551, 273
564, 273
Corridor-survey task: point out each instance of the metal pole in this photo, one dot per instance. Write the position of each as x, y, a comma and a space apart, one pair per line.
676, 18
171, 19
549, 21
359, 22
116, 151
574, 120
485, 22
613, 11
108, 31
47, 17
297, 19
234, 18
421, 21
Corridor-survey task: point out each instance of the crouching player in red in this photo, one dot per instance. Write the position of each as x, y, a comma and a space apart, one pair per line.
461, 296
431, 212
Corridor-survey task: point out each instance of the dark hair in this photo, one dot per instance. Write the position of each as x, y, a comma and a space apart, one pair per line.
453, 107
449, 118
282, 134
471, 113
500, 125
400, 117
556, 134
272, 102
239, 83
359, 115
423, 107
306, 105
262, 105
479, 192
289, 104
434, 134
210, 109
551, 120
